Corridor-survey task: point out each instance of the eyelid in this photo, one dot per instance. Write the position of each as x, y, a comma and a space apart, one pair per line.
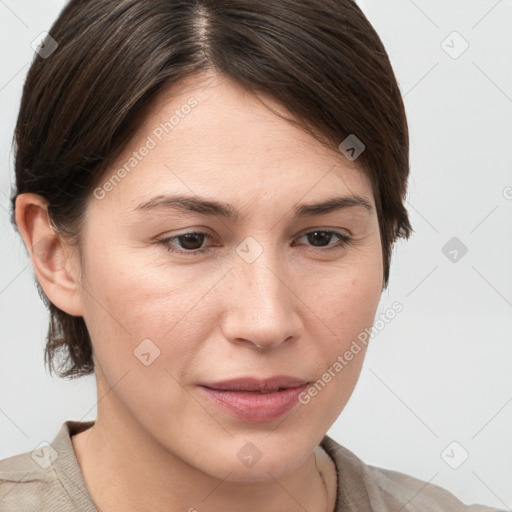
341, 231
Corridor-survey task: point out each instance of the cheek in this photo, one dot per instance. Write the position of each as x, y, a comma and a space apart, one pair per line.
130, 298
126, 289
344, 313
128, 303
344, 299
345, 303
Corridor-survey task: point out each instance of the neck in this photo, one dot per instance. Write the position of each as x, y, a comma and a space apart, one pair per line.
126, 469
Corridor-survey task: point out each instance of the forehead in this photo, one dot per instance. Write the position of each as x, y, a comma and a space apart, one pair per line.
211, 137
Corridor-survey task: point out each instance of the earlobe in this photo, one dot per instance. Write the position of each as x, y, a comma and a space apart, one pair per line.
53, 259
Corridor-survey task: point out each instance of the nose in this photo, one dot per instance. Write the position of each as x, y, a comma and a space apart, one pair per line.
261, 311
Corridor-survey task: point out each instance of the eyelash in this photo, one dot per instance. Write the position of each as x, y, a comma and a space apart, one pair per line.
344, 240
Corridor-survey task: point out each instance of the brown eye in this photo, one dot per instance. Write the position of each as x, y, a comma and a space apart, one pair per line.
191, 241
319, 238
187, 242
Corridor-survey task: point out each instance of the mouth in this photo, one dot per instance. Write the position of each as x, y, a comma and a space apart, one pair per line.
271, 384
255, 400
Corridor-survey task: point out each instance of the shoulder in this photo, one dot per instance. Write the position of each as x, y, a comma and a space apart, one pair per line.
394, 487
28, 482
45, 478
386, 490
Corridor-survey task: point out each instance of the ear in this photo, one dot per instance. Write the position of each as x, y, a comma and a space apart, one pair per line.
55, 262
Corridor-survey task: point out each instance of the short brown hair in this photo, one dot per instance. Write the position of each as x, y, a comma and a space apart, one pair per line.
321, 59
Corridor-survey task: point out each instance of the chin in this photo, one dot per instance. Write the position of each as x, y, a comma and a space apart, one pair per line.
270, 467
262, 457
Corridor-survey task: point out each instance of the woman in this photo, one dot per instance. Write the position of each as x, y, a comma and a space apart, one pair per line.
210, 192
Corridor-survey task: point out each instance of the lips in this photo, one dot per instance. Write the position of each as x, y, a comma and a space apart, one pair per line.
255, 400
252, 384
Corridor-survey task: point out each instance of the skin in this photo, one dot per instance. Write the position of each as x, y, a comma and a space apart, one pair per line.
158, 444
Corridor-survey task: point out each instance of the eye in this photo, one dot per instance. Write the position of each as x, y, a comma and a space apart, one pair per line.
190, 243
321, 238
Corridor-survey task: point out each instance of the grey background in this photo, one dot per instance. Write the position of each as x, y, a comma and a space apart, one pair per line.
441, 370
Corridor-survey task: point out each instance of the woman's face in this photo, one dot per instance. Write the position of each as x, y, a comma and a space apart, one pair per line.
262, 292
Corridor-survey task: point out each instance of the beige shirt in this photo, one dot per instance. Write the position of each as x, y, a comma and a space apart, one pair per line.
49, 480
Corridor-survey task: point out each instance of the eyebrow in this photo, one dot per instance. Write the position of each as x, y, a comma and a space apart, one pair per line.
206, 206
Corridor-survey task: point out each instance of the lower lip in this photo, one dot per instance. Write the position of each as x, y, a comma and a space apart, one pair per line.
254, 406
